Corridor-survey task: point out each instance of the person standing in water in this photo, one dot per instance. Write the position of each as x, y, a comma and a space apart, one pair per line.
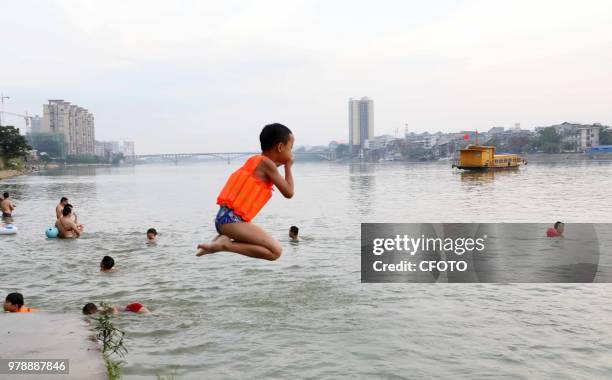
7, 206
66, 225
246, 192
60, 207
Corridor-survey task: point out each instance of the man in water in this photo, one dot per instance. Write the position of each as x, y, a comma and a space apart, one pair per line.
151, 235
66, 225
60, 207
7, 206
135, 307
293, 234
556, 230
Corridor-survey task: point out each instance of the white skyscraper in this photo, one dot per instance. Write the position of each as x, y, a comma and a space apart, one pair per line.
75, 123
361, 123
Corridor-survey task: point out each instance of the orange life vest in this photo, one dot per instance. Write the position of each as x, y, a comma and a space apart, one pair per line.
25, 309
244, 193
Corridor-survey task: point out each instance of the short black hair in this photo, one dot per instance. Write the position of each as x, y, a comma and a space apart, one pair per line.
15, 299
107, 262
557, 224
63, 199
90, 308
152, 231
294, 229
5, 195
67, 210
273, 134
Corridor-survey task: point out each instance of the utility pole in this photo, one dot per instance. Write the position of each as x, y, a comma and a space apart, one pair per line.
2, 97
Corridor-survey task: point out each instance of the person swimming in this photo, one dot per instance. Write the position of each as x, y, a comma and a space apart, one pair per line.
107, 264
293, 233
135, 307
14, 304
151, 235
556, 230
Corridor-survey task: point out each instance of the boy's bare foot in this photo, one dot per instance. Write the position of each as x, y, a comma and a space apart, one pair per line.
215, 245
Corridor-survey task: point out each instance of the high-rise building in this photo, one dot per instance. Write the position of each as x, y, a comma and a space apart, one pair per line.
127, 148
36, 124
75, 123
361, 123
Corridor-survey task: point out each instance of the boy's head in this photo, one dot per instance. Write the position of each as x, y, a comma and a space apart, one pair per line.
64, 201
277, 141
67, 210
5, 195
151, 233
13, 302
293, 232
559, 226
107, 263
90, 308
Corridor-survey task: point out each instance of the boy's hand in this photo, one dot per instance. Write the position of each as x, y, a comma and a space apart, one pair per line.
289, 163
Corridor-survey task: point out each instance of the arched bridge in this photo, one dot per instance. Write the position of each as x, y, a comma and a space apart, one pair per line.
229, 156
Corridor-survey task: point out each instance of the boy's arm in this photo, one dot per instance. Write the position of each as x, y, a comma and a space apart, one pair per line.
75, 229
284, 185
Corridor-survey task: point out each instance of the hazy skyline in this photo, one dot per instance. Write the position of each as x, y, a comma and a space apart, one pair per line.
206, 76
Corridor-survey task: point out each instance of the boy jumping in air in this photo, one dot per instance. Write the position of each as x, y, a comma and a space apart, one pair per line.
247, 191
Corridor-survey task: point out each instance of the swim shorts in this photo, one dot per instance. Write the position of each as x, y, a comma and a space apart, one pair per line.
134, 307
224, 216
4, 214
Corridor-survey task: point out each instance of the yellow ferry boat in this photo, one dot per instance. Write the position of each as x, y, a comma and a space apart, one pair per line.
478, 157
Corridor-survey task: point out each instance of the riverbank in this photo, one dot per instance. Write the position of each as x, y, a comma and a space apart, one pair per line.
4, 174
36, 336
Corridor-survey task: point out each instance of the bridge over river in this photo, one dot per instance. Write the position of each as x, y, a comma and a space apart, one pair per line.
229, 156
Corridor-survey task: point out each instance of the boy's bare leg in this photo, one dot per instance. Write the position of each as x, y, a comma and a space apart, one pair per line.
248, 239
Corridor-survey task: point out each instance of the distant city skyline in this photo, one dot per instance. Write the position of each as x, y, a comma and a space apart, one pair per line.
206, 76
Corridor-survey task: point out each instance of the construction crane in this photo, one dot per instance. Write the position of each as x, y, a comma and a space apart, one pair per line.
26, 117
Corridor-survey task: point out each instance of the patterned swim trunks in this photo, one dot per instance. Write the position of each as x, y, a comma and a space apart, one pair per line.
224, 216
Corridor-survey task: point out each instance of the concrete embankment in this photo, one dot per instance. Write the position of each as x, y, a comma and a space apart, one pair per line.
43, 335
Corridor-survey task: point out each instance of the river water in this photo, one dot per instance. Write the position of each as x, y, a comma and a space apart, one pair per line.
307, 315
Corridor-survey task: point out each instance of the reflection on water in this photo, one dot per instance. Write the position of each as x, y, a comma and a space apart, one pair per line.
307, 313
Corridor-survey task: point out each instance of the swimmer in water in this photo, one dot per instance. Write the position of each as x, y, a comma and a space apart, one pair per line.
7, 206
293, 234
136, 307
60, 207
151, 235
107, 264
14, 304
66, 225
246, 192
556, 230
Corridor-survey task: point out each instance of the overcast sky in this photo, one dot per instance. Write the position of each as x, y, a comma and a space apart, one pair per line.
187, 76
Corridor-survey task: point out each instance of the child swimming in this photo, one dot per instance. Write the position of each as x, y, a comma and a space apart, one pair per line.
293, 234
14, 304
135, 307
107, 264
246, 192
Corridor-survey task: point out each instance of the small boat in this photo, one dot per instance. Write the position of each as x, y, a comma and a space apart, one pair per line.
479, 157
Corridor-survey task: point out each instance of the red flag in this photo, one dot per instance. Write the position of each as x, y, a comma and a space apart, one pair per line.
466, 136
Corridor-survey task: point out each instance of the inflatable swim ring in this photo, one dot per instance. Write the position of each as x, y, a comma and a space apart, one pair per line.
52, 232
8, 229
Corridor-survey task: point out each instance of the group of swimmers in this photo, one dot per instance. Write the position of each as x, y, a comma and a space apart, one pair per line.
246, 192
